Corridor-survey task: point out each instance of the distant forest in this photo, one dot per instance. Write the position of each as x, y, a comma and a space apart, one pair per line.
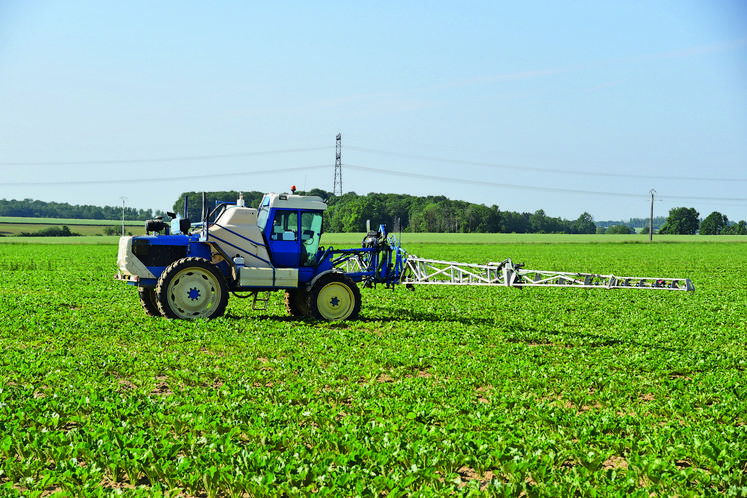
408, 213
349, 213
635, 223
29, 208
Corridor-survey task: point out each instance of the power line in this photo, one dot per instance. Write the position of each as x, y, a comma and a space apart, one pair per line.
166, 178
485, 183
529, 187
406, 174
162, 159
361, 149
544, 170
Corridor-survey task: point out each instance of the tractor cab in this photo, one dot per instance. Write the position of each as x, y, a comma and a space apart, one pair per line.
292, 227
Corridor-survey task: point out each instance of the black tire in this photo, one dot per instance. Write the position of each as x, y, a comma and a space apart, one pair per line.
296, 302
334, 297
148, 300
192, 288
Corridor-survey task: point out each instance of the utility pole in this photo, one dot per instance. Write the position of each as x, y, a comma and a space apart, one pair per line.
338, 166
123, 210
651, 220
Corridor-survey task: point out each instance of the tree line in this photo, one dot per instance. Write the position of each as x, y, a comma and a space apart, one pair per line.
640, 224
399, 212
408, 213
686, 221
29, 208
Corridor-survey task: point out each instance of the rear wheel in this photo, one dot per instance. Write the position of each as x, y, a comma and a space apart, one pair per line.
334, 297
192, 288
148, 300
296, 302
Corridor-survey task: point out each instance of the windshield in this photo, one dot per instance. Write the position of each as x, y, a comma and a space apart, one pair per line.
264, 212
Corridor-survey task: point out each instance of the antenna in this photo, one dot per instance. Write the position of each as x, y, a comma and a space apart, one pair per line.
338, 166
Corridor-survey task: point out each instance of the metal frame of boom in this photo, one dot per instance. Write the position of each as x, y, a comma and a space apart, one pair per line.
422, 271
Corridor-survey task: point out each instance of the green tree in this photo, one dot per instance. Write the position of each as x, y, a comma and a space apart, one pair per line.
54, 231
538, 222
584, 224
713, 224
619, 229
736, 229
349, 214
512, 222
431, 219
488, 219
39, 209
681, 221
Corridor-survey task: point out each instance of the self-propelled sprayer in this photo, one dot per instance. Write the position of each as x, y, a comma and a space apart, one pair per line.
187, 270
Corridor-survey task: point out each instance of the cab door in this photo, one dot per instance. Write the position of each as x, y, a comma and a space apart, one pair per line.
282, 238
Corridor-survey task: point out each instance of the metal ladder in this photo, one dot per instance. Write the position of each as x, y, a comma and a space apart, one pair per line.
258, 299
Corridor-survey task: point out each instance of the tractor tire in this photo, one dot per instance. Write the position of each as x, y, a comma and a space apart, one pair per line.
192, 288
334, 297
148, 300
296, 302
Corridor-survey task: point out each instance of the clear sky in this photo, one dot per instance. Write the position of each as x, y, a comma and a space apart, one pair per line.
562, 106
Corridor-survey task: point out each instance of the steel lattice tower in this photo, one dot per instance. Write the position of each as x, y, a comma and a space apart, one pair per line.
338, 166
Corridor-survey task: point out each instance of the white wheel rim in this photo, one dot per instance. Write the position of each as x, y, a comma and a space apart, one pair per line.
193, 293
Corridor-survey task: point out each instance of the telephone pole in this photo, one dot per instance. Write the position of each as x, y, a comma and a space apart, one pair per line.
651, 220
123, 211
338, 166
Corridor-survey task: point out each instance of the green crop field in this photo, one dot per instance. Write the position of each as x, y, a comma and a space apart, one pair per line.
450, 391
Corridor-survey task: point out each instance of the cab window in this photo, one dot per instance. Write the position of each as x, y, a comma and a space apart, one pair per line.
311, 231
285, 226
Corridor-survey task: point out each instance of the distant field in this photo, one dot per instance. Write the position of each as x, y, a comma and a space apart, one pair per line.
10, 226
65, 221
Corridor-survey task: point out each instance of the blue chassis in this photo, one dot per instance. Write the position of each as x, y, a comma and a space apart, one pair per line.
380, 265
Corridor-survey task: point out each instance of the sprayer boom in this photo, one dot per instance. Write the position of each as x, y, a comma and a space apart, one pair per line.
420, 271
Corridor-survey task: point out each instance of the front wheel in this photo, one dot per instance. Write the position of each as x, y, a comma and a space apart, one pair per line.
192, 288
334, 297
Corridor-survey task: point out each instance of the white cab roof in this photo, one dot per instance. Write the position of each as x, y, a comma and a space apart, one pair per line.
293, 201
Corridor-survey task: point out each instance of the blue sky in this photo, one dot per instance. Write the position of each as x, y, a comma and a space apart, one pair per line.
562, 106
